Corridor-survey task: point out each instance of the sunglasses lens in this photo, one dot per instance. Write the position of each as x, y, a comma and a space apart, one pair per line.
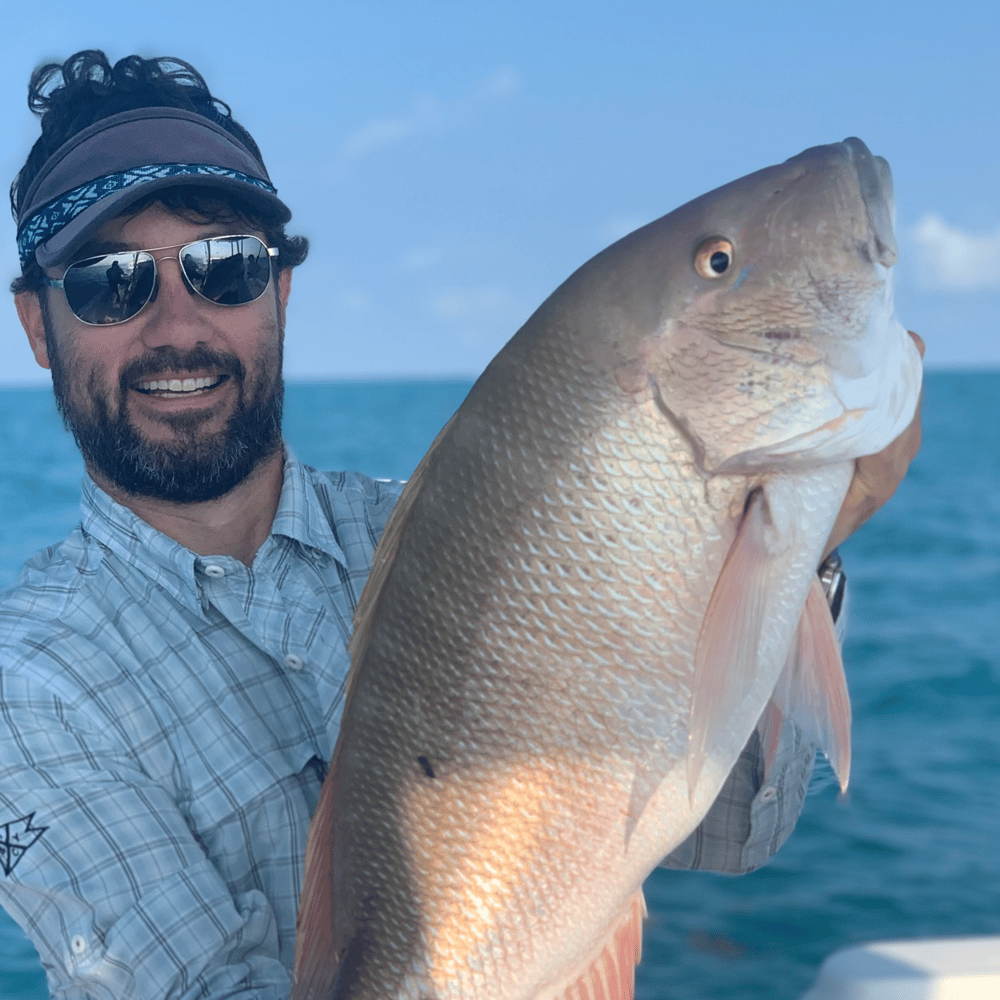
228, 270
111, 288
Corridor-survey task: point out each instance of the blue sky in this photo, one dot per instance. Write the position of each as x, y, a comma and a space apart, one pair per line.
452, 163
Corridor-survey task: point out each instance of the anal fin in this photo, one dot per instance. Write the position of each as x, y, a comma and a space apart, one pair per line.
610, 973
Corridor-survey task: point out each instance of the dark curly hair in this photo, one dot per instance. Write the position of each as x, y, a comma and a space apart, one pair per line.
69, 97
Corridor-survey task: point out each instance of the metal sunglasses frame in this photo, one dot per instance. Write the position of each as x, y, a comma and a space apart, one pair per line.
180, 248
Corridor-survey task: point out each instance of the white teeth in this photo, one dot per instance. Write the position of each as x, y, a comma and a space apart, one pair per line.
177, 385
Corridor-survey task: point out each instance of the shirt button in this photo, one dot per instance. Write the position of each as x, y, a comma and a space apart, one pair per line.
214, 571
768, 794
78, 944
294, 662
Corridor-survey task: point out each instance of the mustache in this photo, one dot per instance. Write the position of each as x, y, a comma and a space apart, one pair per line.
162, 360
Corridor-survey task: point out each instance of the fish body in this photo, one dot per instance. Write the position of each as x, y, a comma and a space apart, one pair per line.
599, 581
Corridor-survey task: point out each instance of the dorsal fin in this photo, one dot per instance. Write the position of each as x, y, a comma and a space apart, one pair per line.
319, 939
316, 937
385, 556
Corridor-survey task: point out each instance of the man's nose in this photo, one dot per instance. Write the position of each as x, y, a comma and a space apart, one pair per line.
176, 315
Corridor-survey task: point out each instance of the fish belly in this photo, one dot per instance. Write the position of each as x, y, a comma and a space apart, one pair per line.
513, 763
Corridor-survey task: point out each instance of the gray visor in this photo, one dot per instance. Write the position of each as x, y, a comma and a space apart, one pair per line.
110, 165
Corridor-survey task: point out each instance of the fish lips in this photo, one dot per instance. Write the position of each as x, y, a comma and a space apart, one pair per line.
875, 185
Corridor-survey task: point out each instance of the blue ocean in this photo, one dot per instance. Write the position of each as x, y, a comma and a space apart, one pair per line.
912, 850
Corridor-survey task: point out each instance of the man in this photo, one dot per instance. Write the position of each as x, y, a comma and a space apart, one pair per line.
172, 674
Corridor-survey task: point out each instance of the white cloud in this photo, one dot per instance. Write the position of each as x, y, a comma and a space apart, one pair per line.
950, 258
620, 225
353, 301
421, 258
468, 303
502, 84
426, 115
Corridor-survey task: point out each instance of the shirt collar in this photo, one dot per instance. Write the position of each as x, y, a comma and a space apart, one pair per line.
167, 563
303, 513
300, 516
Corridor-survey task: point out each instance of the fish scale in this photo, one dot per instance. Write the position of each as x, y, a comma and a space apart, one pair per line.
594, 588
610, 738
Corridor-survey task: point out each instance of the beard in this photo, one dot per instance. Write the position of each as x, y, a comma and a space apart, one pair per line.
195, 466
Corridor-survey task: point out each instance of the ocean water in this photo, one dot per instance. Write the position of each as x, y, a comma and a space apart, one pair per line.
913, 850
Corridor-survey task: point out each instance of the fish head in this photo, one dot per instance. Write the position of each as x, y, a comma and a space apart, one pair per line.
760, 315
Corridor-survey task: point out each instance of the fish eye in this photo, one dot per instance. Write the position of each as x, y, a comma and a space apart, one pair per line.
713, 257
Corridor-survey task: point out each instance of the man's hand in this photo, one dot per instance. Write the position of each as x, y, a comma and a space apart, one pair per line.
876, 477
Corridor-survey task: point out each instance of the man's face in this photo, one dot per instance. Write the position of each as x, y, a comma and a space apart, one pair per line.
183, 443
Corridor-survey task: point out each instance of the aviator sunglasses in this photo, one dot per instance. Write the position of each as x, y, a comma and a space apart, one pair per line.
114, 287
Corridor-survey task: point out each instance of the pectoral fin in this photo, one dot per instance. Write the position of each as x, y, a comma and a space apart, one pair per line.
726, 657
812, 690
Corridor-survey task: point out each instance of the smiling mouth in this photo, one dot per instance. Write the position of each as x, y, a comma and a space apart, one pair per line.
175, 388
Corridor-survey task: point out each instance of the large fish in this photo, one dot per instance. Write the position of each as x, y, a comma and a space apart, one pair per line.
600, 579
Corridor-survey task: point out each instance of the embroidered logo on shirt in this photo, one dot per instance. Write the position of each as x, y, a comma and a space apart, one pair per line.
15, 838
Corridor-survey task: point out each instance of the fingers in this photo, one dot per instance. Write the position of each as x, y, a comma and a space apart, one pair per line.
876, 477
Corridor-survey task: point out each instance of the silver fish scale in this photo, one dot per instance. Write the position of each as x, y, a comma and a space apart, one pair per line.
514, 756
592, 574
578, 588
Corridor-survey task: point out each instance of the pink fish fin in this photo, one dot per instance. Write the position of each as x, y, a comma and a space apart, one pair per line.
610, 975
317, 941
769, 728
726, 660
812, 688
385, 555
645, 781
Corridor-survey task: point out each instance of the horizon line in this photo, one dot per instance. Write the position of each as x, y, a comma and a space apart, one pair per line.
972, 368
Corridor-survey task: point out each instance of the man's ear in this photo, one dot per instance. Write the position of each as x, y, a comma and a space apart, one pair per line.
29, 310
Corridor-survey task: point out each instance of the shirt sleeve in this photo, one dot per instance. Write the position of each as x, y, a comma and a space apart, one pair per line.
104, 875
752, 817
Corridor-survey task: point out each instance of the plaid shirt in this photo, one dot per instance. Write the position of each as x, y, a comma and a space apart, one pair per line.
164, 722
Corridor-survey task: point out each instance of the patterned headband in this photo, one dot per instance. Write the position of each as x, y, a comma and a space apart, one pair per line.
59, 213
108, 166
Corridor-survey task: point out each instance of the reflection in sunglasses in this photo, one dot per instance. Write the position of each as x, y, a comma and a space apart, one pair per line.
113, 288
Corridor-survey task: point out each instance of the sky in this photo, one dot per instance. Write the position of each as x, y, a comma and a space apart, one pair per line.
452, 163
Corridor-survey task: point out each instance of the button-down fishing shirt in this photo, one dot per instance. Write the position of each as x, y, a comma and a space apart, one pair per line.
165, 723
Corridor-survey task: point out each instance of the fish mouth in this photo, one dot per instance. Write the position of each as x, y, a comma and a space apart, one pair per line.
875, 185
